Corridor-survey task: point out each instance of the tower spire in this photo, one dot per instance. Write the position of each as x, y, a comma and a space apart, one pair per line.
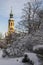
11, 14
11, 9
11, 23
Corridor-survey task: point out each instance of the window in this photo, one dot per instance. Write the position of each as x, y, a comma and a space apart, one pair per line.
11, 24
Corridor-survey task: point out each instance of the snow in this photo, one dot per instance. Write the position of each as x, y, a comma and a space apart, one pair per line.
33, 57
1, 52
37, 47
18, 61
11, 19
9, 62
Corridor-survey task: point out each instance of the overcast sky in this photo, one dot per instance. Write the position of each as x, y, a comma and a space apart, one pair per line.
5, 7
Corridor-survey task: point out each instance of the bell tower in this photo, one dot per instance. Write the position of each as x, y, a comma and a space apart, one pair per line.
11, 23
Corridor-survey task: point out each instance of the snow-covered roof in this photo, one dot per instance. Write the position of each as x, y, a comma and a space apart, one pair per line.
37, 47
11, 19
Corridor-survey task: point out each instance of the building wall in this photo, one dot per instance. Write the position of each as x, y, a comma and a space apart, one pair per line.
11, 26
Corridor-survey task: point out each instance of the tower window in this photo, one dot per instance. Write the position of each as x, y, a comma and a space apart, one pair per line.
11, 24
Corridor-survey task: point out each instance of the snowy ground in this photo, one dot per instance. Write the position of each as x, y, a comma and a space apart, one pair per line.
18, 61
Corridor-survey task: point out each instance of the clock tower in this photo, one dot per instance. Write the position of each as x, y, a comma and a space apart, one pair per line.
11, 23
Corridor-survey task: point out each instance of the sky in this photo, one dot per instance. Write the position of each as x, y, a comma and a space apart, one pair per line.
5, 8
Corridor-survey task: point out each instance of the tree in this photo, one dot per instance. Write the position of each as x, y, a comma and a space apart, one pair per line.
40, 13
26, 16
30, 15
1, 36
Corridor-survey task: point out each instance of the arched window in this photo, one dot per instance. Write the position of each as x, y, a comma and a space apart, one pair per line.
11, 23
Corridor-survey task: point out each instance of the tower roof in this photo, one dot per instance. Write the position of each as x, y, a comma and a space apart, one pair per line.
11, 14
